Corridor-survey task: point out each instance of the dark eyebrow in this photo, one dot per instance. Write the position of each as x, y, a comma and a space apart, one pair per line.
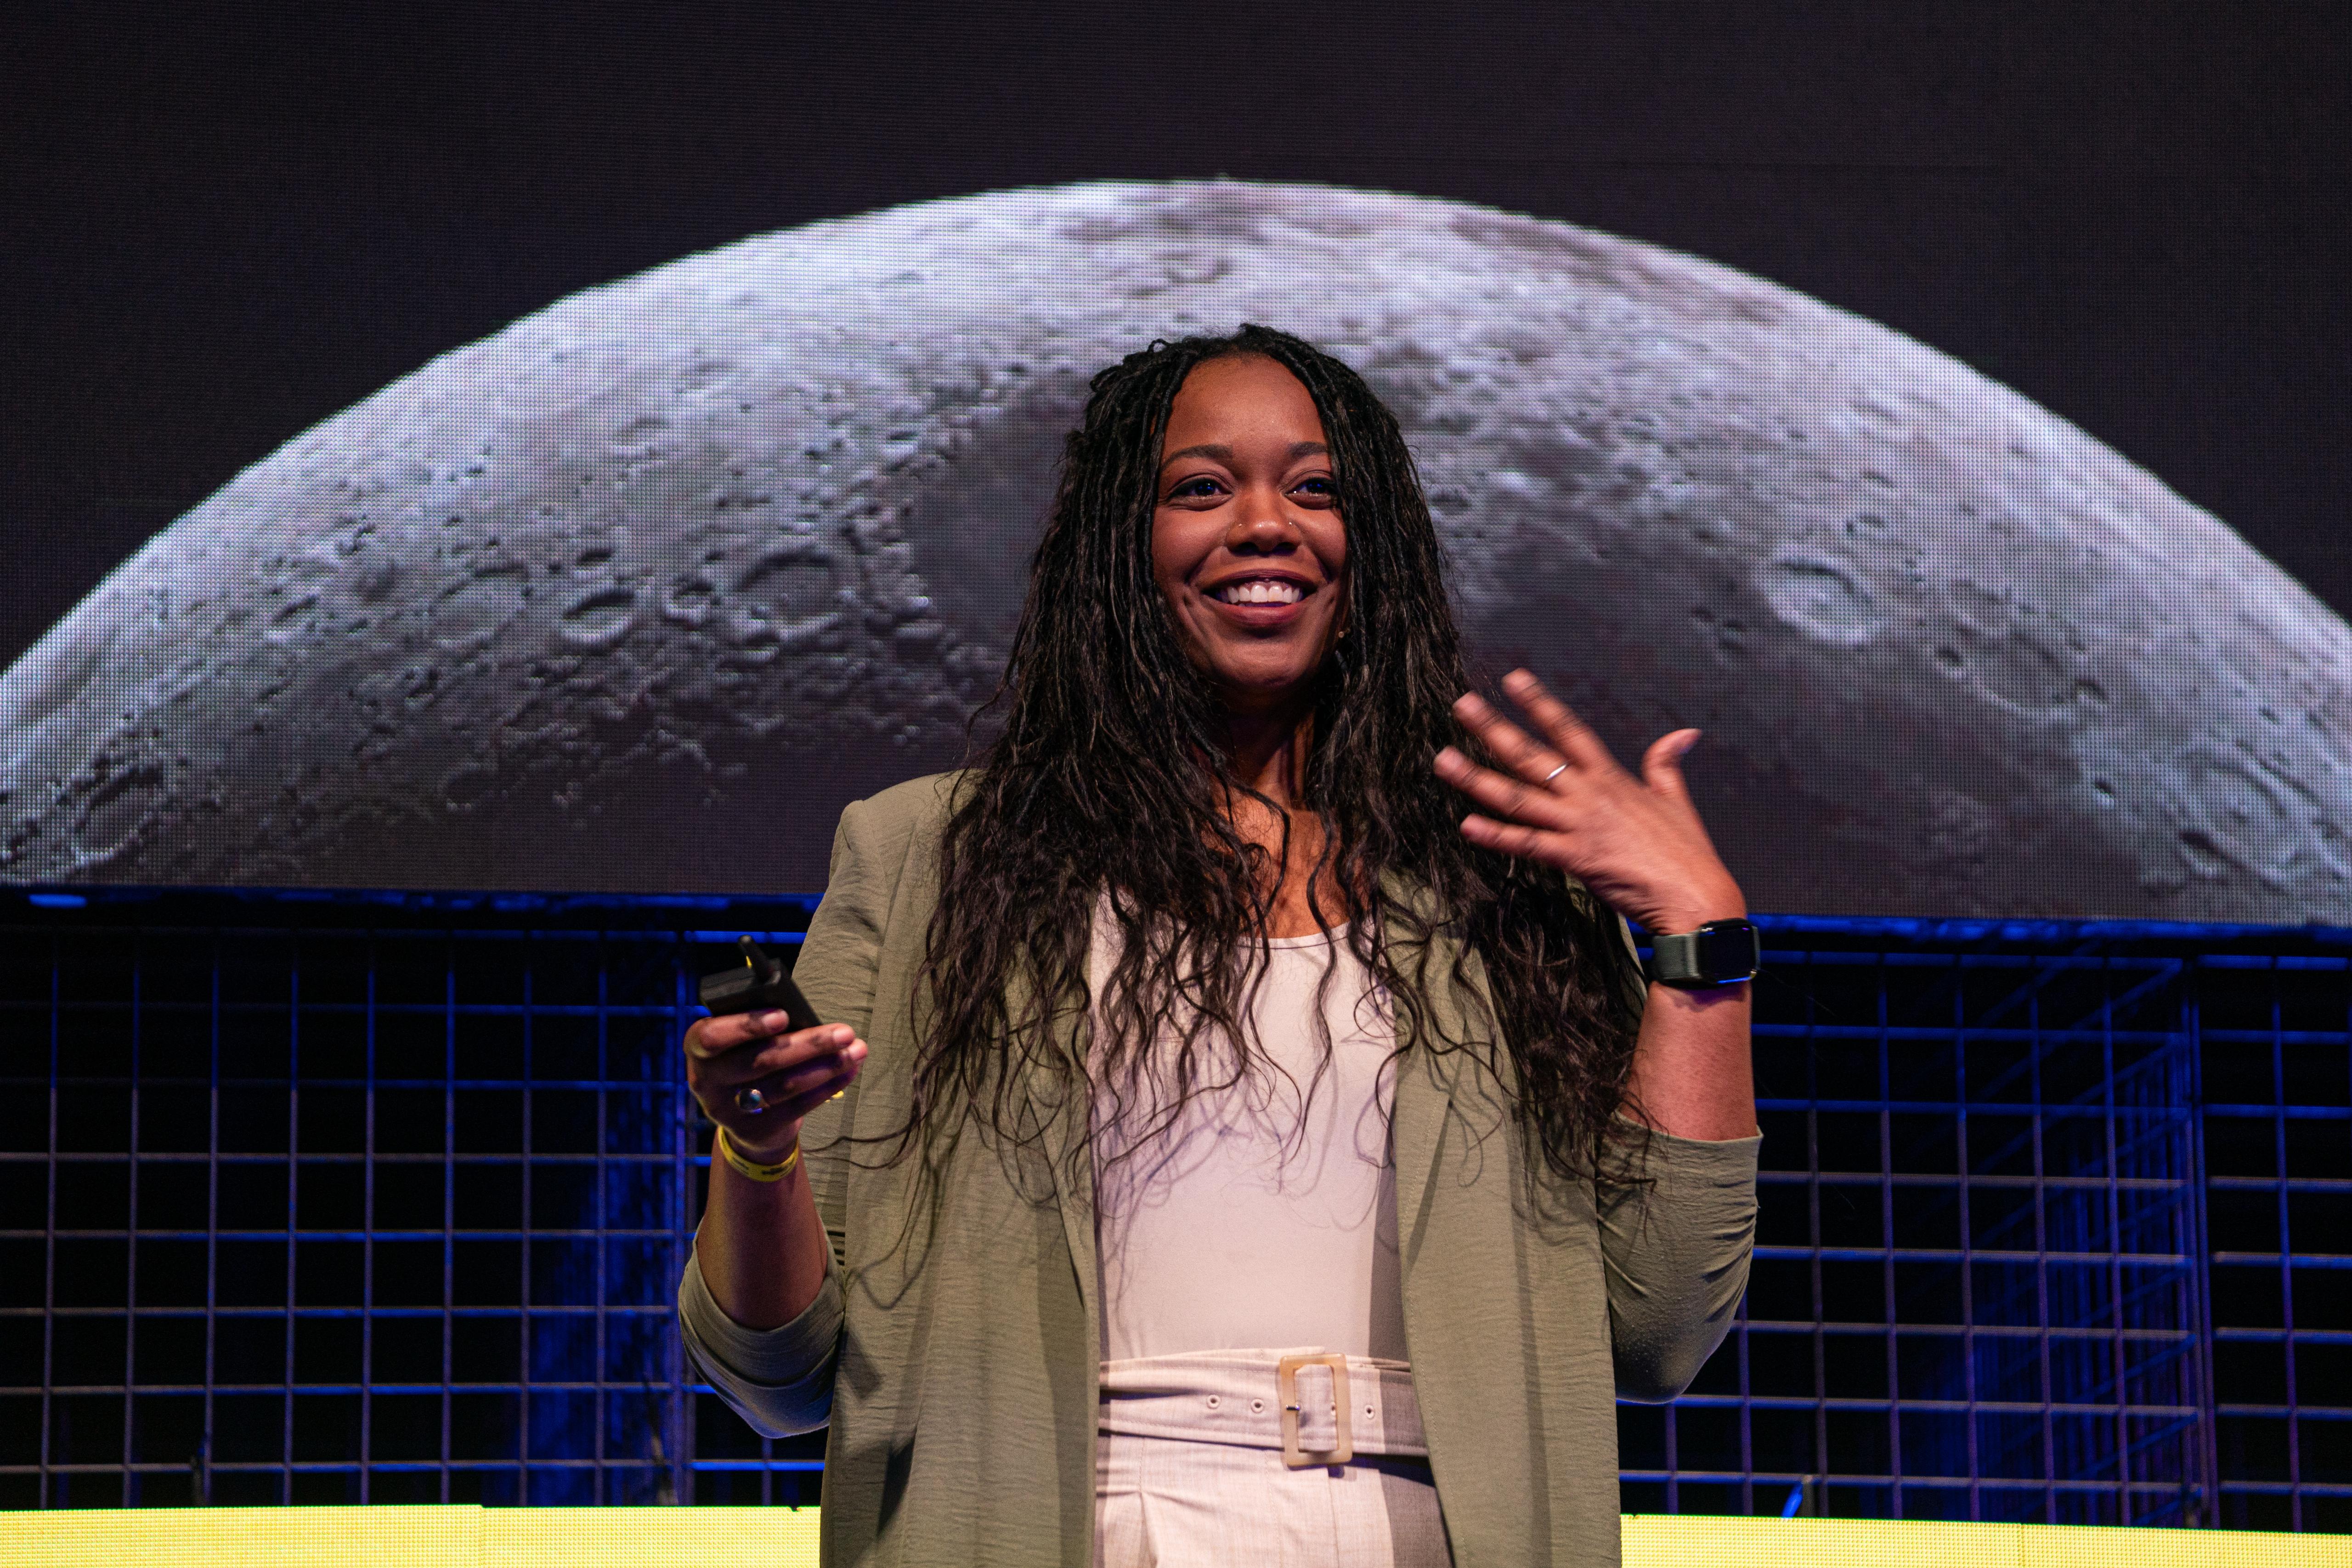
1224, 454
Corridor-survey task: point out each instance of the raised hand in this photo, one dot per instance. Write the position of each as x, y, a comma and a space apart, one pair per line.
794, 1074
1637, 843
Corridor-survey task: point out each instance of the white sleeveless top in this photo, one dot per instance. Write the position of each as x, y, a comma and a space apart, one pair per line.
1245, 1225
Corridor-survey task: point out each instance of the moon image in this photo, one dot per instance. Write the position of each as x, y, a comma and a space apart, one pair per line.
636, 593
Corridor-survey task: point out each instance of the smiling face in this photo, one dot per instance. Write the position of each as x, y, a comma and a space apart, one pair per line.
1246, 541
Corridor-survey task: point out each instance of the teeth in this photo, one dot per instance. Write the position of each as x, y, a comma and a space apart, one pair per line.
1261, 591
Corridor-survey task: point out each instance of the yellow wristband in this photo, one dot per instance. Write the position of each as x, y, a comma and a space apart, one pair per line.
724, 1147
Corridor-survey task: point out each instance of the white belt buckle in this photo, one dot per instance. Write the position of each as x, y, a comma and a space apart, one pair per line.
1285, 1388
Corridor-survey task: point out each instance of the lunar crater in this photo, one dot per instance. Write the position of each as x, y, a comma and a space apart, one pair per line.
1822, 598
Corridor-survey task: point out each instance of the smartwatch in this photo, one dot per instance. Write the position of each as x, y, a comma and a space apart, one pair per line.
1720, 952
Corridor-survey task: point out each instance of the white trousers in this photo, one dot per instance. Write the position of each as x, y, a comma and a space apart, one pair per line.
1199, 1484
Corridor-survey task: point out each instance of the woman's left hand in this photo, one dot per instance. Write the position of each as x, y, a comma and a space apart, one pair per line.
1636, 842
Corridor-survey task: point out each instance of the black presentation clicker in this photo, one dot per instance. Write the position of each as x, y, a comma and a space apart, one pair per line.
761, 983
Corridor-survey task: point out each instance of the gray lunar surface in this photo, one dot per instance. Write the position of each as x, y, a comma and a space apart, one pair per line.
638, 592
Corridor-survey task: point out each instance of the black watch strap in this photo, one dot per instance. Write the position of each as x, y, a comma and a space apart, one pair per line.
1720, 952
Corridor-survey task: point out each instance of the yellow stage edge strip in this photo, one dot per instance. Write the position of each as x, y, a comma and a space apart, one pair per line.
1658, 1541
464, 1536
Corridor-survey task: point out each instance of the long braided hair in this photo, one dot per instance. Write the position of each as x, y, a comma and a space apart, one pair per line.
1104, 789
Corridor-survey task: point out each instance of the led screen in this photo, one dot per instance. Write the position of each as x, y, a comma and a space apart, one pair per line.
634, 592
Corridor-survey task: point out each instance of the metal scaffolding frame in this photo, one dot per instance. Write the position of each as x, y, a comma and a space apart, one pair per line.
383, 1198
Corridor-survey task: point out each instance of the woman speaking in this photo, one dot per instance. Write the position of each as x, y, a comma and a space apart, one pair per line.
1220, 1148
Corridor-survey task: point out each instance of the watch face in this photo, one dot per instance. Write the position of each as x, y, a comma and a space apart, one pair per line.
1726, 950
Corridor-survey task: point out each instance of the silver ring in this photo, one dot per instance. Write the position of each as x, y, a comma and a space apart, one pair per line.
750, 1101
1551, 776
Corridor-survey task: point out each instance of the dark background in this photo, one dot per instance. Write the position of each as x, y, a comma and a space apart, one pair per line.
215, 231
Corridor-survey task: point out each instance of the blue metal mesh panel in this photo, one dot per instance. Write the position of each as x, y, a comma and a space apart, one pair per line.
1975, 1291
2277, 1064
344, 1215
384, 1199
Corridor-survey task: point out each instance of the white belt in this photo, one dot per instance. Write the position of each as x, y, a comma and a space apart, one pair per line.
1318, 1408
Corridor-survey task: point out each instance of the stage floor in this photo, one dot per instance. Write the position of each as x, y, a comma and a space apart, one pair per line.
464, 1536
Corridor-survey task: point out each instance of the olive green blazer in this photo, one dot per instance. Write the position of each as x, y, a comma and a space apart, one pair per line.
955, 1353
